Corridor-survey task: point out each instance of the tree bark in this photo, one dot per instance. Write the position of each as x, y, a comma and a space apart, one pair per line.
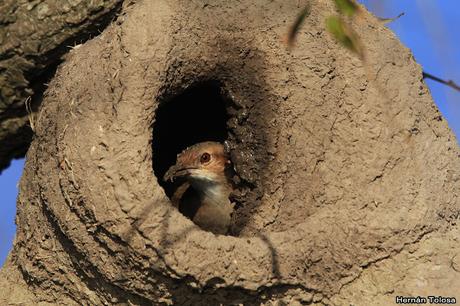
33, 37
345, 184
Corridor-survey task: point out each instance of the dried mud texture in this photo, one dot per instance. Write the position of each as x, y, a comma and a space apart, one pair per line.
343, 180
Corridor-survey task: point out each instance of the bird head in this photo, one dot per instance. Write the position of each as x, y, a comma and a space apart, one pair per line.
202, 164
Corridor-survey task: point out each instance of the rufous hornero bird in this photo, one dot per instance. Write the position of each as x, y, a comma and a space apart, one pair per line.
204, 195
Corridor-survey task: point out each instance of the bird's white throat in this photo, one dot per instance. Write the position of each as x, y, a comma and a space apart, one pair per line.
216, 192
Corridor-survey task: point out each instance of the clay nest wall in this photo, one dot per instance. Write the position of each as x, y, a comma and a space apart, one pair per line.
336, 173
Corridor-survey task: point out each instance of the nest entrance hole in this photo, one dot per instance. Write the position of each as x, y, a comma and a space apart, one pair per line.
195, 115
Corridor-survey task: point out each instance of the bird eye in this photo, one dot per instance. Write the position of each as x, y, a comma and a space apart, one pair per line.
205, 157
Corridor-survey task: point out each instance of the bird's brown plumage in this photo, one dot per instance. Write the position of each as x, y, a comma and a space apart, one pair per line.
205, 194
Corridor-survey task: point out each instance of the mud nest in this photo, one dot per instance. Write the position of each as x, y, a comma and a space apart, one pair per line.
328, 163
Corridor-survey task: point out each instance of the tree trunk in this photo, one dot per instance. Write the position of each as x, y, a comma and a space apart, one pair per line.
33, 37
345, 184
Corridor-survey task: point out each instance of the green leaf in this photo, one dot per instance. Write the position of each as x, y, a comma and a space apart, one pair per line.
346, 7
344, 34
296, 25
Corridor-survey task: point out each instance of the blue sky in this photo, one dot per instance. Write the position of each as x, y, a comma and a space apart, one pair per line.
429, 28
9, 190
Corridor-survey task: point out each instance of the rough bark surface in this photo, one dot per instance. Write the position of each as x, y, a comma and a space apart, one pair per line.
33, 36
349, 188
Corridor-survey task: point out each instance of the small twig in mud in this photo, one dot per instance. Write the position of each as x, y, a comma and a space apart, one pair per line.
388, 20
72, 176
30, 114
67, 198
449, 83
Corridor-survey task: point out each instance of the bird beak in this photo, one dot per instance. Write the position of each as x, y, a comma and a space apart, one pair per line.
175, 171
